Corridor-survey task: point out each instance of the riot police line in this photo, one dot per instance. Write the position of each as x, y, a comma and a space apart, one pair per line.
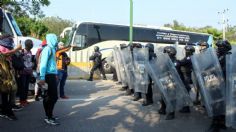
143, 72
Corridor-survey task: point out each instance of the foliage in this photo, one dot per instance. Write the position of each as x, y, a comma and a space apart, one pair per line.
56, 24
217, 34
32, 27
25, 7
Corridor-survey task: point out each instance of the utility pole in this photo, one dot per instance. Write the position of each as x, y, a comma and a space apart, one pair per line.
224, 21
131, 23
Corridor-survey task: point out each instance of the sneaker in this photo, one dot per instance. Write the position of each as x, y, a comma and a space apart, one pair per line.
104, 78
16, 108
51, 122
64, 97
36, 98
3, 115
54, 118
11, 117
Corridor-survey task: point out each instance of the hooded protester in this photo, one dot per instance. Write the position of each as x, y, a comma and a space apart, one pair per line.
37, 87
48, 72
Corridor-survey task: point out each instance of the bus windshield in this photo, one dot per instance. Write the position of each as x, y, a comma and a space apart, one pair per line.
14, 24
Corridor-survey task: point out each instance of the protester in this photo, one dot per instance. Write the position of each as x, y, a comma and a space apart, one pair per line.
26, 73
62, 62
7, 75
37, 90
48, 72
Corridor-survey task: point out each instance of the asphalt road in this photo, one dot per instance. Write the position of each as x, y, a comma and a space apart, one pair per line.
99, 106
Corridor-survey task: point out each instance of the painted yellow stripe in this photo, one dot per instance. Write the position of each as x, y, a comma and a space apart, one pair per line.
81, 64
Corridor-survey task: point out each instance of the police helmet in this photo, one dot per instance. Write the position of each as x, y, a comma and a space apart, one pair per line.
171, 51
189, 50
223, 46
96, 48
150, 47
203, 43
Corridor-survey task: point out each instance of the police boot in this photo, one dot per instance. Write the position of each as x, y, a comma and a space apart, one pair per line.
170, 116
185, 109
162, 111
213, 128
137, 96
128, 92
147, 102
123, 88
90, 77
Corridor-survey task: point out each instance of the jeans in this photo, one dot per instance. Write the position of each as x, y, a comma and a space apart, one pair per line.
51, 97
62, 76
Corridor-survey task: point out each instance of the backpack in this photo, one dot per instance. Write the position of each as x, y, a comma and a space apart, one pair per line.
7, 78
18, 62
38, 59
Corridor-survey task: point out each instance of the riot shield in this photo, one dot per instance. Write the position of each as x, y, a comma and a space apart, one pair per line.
117, 67
167, 80
140, 58
211, 81
120, 66
127, 59
231, 89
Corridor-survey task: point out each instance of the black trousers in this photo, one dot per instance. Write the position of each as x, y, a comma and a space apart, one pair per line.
95, 67
6, 104
149, 94
51, 97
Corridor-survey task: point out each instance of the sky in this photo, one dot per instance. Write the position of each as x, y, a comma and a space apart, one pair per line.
194, 13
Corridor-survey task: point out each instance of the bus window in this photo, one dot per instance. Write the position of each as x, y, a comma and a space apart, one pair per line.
80, 41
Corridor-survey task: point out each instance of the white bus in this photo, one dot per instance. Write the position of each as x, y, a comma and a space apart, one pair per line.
9, 26
86, 35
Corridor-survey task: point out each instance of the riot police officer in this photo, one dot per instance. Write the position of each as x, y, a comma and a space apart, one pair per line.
186, 71
171, 51
148, 98
203, 47
223, 48
137, 95
96, 57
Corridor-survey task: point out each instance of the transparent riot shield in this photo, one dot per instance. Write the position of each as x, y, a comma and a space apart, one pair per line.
231, 89
140, 58
211, 81
167, 80
127, 59
120, 66
116, 62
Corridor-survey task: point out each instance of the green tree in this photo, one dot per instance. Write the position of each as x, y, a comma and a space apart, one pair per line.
25, 7
32, 27
56, 24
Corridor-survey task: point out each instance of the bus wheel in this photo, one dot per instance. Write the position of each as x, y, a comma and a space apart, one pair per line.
107, 68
